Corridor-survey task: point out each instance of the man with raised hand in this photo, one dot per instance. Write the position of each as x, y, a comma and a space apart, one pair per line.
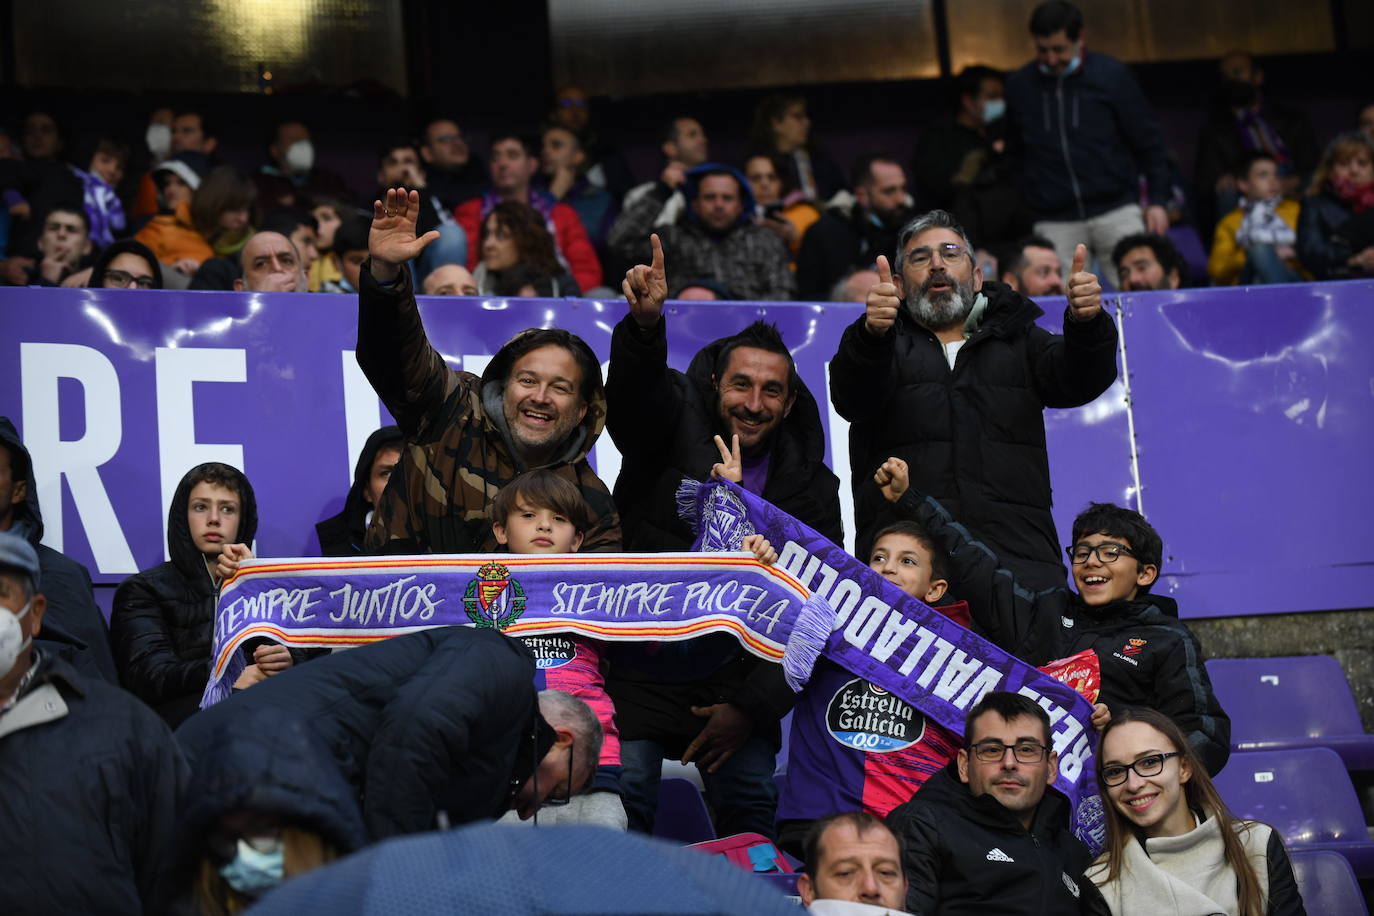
706, 700
951, 374
538, 404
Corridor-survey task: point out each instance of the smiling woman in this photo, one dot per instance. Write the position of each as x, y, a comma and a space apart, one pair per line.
1170, 836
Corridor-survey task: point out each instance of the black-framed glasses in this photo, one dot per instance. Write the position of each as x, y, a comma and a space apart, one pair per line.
993, 751
1149, 765
949, 251
120, 279
1107, 553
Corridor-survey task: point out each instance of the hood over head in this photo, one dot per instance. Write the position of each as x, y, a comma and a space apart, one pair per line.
123, 246
28, 520
583, 437
188, 560
746, 193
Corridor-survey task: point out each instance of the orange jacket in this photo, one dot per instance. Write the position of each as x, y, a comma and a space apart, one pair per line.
172, 237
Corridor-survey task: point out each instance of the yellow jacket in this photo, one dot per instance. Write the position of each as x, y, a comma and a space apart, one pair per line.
1228, 258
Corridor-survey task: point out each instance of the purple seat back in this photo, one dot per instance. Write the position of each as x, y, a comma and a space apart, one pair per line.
682, 814
1304, 696
1327, 884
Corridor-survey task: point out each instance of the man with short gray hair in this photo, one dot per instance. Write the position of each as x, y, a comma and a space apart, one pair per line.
950, 373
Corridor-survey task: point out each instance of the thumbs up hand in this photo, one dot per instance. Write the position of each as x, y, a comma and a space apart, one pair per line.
1085, 293
883, 301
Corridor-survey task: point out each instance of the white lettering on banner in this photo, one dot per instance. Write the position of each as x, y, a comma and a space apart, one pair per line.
362, 411
41, 365
1067, 734
288, 605
657, 599
178, 369
365, 607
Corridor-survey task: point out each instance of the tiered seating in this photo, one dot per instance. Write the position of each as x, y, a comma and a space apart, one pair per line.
1306, 795
1297, 702
682, 814
1327, 884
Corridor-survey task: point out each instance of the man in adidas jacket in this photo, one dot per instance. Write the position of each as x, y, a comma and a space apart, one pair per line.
987, 834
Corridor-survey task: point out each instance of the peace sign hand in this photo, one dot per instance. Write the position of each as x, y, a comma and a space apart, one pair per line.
731, 465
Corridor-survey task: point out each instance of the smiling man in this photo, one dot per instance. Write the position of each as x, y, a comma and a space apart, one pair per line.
951, 374
539, 404
987, 833
705, 700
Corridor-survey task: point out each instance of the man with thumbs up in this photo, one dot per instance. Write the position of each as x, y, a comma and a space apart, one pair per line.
951, 374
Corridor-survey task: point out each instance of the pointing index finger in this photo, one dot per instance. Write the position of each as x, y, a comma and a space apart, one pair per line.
657, 262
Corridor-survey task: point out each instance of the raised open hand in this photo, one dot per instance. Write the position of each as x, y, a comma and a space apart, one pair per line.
392, 241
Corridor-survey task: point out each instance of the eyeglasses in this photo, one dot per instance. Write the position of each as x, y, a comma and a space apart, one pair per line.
1106, 553
949, 251
1152, 765
1024, 751
120, 279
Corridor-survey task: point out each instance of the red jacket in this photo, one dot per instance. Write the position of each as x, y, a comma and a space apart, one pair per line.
569, 237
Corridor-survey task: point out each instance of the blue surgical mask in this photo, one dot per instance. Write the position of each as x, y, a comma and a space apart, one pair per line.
993, 109
251, 872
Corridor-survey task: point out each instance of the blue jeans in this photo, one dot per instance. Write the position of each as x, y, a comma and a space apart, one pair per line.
741, 794
450, 248
1263, 265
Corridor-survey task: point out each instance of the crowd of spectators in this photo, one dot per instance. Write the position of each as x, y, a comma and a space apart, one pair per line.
1065, 149
943, 379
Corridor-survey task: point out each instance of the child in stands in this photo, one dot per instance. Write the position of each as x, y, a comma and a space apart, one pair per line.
1257, 241
1147, 657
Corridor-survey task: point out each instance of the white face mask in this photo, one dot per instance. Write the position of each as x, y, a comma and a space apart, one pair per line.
993, 109
13, 639
159, 140
300, 157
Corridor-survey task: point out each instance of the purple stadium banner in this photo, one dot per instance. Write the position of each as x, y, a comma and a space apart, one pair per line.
1248, 426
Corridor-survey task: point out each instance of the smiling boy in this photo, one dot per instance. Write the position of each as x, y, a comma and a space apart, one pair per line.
1147, 656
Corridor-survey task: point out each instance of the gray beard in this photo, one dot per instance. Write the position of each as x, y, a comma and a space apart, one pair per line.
942, 310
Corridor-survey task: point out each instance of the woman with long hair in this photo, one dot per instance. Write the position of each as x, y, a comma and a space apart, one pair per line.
514, 235
1172, 845
1336, 225
782, 128
222, 209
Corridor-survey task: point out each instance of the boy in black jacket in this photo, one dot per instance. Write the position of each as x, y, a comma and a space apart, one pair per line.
1147, 656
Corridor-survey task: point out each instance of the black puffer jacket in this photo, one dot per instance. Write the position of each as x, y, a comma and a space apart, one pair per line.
73, 626
973, 436
663, 422
162, 622
1148, 657
270, 762
90, 782
1325, 239
342, 535
966, 854
442, 720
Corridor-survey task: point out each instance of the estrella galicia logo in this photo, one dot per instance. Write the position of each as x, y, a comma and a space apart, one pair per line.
494, 600
866, 717
550, 651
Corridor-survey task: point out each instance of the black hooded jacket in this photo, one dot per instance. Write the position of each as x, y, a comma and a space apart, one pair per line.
162, 624
441, 720
270, 762
1147, 656
73, 626
663, 422
90, 782
342, 535
967, 854
973, 436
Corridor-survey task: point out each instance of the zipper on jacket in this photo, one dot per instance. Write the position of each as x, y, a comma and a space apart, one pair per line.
1064, 144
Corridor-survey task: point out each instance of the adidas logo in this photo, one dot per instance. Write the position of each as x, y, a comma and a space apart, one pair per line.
997, 855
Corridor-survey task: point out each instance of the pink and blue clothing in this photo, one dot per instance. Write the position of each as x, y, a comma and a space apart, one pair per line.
572, 664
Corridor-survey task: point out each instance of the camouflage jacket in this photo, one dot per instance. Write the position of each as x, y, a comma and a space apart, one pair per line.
456, 454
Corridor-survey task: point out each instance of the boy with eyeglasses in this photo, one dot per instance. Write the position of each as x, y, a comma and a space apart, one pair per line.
987, 833
1146, 655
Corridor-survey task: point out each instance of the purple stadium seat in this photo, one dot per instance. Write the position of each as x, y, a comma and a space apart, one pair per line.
1189, 244
1306, 795
1304, 701
1327, 884
682, 814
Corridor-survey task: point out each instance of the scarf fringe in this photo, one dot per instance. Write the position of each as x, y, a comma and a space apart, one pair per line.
810, 632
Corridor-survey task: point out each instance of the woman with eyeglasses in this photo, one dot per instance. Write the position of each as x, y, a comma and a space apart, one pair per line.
1172, 846
126, 264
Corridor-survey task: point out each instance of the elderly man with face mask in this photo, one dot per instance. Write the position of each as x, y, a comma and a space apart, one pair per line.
951, 374
90, 778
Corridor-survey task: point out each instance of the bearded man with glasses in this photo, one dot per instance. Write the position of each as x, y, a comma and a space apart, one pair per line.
950, 373
987, 833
